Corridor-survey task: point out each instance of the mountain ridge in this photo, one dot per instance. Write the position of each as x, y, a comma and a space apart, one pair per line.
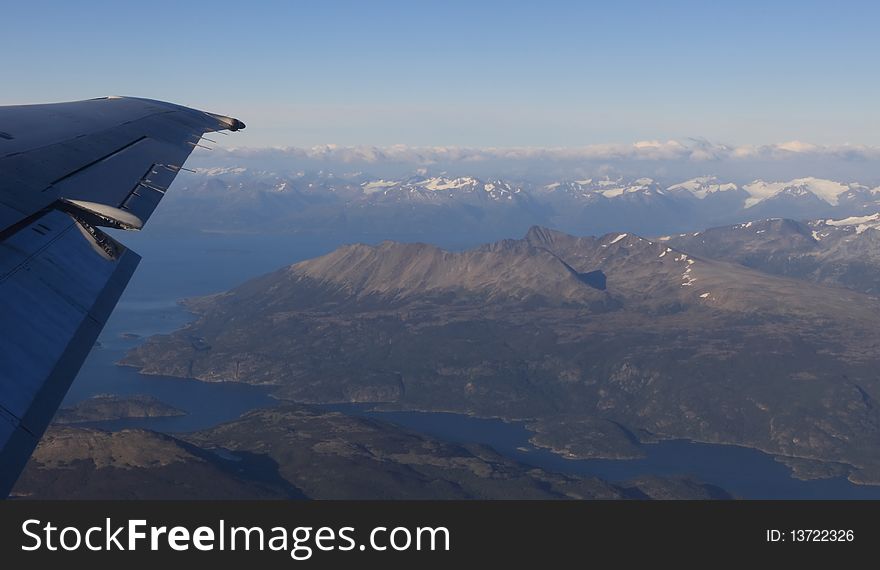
486, 209
672, 345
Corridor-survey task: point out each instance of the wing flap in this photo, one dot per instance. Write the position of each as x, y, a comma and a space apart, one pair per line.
122, 181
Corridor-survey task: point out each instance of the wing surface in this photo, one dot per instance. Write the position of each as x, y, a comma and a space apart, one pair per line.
67, 170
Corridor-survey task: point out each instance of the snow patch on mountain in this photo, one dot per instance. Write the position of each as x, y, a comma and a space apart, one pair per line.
702, 186
861, 223
614, 192
827, 190
378, 186
613, 189
441, 183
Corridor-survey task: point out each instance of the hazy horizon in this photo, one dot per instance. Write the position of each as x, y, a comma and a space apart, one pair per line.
669, 160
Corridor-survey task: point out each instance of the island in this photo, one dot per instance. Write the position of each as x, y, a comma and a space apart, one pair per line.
108, 407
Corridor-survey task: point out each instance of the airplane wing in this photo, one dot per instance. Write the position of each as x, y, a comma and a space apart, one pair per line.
66, 170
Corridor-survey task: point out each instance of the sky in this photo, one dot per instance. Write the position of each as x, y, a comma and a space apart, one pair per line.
475, 74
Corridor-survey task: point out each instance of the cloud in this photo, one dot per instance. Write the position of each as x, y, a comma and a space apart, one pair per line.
674, 160
692, 150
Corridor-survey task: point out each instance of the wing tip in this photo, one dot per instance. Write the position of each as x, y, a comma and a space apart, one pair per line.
231, 123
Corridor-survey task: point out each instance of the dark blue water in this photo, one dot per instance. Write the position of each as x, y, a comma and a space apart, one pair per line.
173, 268
176, 268
741, 471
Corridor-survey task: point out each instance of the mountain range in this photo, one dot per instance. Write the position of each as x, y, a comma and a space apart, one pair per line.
702, 336
465, 209
843, 252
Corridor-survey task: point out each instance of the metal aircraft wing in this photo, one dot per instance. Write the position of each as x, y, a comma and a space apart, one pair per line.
66, 170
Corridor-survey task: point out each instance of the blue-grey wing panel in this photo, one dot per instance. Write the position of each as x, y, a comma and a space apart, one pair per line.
102, 151
59, 281
67, 169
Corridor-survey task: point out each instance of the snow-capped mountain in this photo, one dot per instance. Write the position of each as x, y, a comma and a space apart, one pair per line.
427, 206
702, 187
437, 188
750, 195
826, 190
605, 187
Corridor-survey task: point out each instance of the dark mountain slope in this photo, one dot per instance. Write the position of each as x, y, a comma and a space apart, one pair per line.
620, 328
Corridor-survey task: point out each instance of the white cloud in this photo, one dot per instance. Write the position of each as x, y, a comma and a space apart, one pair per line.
692, 150
797, 146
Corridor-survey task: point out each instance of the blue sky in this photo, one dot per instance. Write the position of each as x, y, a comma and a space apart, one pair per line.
467, 73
